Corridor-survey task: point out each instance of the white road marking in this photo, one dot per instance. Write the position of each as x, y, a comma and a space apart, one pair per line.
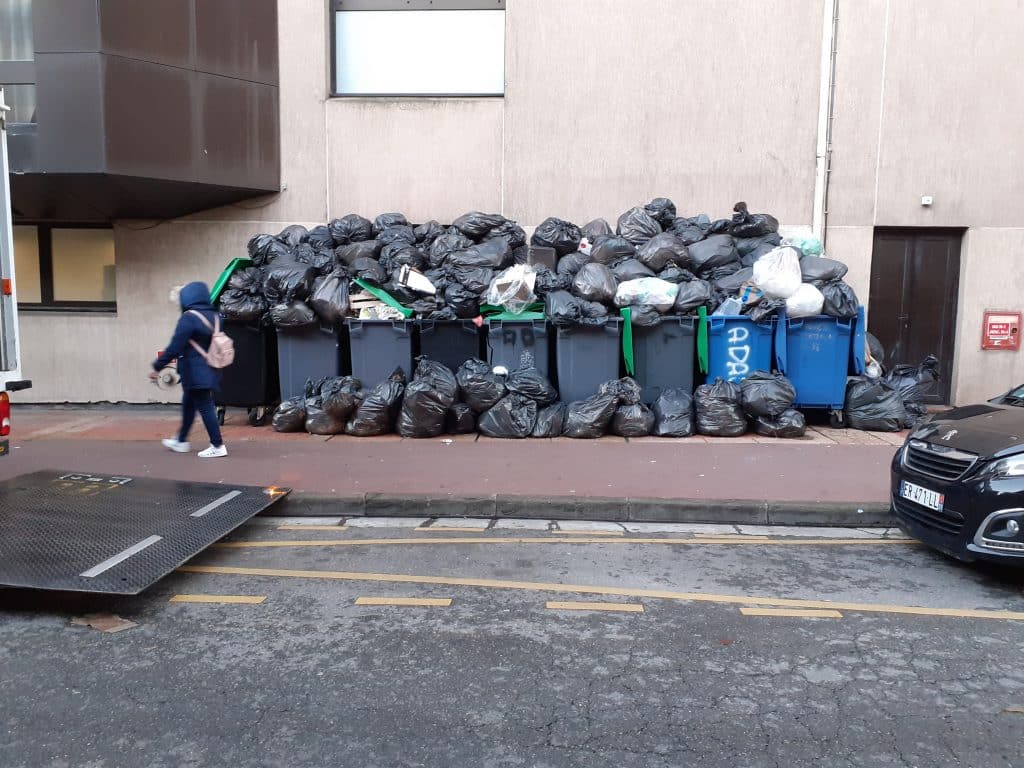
214, 504
120, 557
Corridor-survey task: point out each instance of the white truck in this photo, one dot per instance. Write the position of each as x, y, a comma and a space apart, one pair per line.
10, 340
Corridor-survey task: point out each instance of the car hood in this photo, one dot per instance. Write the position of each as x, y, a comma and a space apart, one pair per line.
991, 431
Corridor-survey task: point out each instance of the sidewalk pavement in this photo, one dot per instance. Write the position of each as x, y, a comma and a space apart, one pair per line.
831, 477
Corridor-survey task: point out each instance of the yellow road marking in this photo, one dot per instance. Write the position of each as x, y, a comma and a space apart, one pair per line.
791, 613
243, 599
540, 586
418, 601
557, 605
1014, 710
590, 533
751, 541
292, 527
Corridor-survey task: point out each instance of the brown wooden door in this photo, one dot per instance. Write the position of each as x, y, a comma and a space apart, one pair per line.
915, 279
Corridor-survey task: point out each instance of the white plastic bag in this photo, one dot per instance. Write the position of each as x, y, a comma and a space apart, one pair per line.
806, 302
777, 273
652, 291
513, 289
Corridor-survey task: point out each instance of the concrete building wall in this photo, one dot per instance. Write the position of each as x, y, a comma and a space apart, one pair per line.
708, 102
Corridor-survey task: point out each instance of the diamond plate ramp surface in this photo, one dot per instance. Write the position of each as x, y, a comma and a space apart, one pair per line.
82, 532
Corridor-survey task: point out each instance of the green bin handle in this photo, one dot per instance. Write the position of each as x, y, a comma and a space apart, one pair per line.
702, 340
384, 296
627, 341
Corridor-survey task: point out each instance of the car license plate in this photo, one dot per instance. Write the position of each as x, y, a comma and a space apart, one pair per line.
922, 496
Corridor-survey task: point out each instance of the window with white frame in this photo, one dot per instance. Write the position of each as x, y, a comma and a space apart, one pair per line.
418, 47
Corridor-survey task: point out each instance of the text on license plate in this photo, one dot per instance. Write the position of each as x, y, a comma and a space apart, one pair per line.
922, 496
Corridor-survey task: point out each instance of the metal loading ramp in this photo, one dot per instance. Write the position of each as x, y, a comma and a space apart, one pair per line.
81, 532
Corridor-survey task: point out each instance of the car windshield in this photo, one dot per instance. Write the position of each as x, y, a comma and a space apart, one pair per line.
1014, 397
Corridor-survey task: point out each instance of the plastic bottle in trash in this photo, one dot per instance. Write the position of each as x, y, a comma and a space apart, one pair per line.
730, 306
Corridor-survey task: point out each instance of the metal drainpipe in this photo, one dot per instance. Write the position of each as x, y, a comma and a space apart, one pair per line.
826, 105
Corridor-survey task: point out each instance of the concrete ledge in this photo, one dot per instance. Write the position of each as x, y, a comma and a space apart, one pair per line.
610, 509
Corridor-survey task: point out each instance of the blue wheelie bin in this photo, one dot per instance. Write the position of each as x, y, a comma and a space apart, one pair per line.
737, 346
815, 355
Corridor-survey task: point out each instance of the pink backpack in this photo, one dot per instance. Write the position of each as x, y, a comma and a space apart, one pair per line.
221, 353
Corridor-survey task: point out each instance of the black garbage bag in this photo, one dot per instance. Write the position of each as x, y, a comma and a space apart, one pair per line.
401, 293
349, 254
249, 280
746, 246
445, 313
297, 314
875, 347
386, 220
719, 413
323, 261
765, 309
304, 253
874, 405
789, 424
631, 269
319, 421
663, 250
767, 394
293, 235
330, 300
714, 252
460, 420
548, 282
550, 421
476, 225
562, 308
676, 274
692, 295
290, 415
428, 232
369, 270
611, 251
340, 396
513, 417
732, 283
479, 387
592, 229
593, 313
242, 305
746, 224
915, 383
819, 270
662, 210
637, 226
595, 282
350, 229
445, 245
320, 237
688, 231
840, 300
464, 302
428, 305
644, 316
400, 233
490, 254
427, 399
626, 389
402, 254
570, 265
673, 414
263, 249
288, 281
720, 227
561, 235
376, 414
512, 232
476, 280
589, 419
633, 421
530, 382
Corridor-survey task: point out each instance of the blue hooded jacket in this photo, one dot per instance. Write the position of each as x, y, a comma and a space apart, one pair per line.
194, 371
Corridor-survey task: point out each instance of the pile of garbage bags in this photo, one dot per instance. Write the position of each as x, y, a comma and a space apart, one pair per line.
894, 401
653, 261
762, 402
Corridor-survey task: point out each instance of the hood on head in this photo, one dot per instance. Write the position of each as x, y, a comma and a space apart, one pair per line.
194, 295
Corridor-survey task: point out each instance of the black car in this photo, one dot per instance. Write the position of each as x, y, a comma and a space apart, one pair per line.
958, 481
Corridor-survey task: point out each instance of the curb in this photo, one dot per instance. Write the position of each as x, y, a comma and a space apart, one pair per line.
607, 509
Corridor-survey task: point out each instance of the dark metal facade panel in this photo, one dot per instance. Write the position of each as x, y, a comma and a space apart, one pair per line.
65, 26
237, 38
160, 31
69, 108
116, 535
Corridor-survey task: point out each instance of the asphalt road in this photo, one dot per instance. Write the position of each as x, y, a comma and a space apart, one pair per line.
909, 659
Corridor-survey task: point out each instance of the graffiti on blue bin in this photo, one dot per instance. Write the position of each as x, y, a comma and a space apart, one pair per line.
737, 361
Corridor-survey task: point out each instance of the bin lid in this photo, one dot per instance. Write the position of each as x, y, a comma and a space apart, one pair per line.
229, 270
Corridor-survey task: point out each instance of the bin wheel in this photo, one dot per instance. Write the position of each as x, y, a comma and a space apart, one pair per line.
258, 416
220, 415
837, 420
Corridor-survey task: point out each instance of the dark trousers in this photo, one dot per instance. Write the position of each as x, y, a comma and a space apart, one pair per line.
199, 400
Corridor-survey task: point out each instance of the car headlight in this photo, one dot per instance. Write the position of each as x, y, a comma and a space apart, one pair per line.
1010, 467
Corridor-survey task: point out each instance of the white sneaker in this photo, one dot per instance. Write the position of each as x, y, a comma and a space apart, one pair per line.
214, 453
176, 446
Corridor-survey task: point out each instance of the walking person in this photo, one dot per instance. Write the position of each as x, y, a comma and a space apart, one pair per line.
192, 338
